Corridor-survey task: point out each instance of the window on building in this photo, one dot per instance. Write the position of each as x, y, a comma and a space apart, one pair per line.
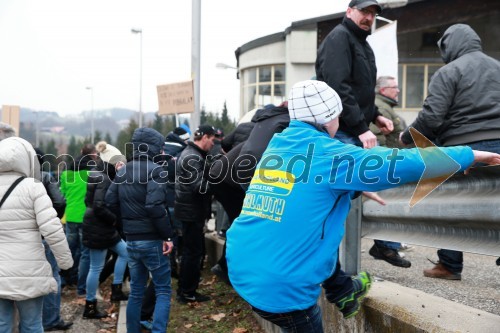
413, 82
263, 85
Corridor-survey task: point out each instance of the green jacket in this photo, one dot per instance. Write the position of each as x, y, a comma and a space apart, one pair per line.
385, 107
73, 185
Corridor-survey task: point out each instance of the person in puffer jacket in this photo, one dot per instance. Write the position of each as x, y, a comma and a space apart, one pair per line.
25, 216
138, 194
51, 316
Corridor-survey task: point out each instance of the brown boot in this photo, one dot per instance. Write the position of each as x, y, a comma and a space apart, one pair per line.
440, 272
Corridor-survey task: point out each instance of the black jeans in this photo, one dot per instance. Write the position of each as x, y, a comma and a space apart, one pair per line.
300, 321
338, 285
232, 200
192, 256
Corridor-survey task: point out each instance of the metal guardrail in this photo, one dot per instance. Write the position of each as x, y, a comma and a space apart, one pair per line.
462, 214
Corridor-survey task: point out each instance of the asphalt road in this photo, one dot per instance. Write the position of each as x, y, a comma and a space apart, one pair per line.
479, 287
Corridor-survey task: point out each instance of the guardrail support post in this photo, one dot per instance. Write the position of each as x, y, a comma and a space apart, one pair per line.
350, 248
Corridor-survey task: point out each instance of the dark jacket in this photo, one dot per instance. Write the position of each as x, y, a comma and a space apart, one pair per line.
346, 63
386, 106
239, 135
267, 123
139, 191
192, 201
215, 152
99, 223
172, 148
463, 102
52, 188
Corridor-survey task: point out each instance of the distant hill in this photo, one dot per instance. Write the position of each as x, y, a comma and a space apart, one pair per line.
106, 121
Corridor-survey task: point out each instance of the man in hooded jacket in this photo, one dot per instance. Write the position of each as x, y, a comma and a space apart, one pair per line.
138, 194
462, 108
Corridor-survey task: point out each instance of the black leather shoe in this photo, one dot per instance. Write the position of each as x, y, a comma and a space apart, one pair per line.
191, 298
62, 326
221, 274
389, 255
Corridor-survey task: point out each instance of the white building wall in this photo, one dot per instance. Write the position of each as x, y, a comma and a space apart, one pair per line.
301, 56
269, 54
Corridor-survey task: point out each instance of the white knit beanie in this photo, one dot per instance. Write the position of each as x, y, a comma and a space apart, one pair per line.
314, 101
109, 153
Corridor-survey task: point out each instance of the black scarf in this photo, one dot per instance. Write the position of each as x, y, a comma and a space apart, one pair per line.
358, 32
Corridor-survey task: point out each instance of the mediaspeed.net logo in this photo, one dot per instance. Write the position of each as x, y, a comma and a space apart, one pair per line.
436, 162
427, 183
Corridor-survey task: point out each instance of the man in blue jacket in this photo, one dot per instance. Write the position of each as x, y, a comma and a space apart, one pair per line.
283, 247
138, 194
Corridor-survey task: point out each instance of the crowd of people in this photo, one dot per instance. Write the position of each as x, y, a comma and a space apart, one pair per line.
285, 181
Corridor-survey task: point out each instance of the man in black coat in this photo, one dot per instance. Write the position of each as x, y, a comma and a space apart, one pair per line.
346, 63
192, 208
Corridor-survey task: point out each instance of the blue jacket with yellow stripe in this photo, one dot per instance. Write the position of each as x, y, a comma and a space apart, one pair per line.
284, 243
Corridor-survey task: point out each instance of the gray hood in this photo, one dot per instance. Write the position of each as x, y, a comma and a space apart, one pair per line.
458, 40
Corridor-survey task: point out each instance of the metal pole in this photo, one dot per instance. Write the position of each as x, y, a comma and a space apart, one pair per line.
350, 247
91, 114
139, 31
195, 61
37, 131
140, 87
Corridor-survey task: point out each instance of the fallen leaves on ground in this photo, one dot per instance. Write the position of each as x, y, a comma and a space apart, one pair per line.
217, 317
240, 330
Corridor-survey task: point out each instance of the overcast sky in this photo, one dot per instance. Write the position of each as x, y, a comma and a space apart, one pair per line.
53, 49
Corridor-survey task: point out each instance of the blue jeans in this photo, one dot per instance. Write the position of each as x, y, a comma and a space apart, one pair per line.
52, 302
80, 253
97, 260
146, 257
30, 315
387, 244
451, 259
300, 321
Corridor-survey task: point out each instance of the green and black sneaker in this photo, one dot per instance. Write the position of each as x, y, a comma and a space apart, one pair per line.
350, 305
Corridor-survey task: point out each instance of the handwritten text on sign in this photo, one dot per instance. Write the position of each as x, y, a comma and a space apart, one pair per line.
175, 98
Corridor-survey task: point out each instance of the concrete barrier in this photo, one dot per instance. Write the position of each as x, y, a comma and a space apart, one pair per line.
390, 307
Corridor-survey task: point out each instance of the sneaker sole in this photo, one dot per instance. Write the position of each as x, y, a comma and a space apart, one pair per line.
377, 257
453, 278
358, 297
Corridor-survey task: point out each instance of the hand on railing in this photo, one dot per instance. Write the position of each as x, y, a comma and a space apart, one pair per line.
374, 196
486, 157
